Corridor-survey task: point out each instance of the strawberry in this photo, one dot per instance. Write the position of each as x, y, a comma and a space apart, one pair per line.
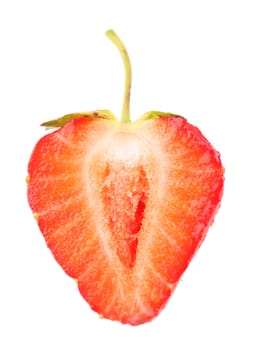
124, 206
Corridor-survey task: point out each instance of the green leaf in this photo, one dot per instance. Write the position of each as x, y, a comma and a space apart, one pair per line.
57, 123
157, 114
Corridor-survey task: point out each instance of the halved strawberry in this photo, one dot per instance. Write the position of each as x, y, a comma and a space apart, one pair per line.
124, 206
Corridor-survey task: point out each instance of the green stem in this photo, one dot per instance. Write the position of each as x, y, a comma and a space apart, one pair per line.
125, 118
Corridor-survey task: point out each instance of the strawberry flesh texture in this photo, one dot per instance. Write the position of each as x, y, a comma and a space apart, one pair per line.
124, 207
130, 194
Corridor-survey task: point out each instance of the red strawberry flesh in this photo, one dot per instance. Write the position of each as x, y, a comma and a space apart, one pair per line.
124, 207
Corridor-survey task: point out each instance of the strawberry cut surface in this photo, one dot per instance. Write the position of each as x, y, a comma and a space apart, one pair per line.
124, 207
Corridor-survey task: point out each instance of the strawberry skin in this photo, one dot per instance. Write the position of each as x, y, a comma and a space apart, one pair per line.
123, 207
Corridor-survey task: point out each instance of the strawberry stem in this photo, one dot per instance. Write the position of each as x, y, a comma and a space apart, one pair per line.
125, 117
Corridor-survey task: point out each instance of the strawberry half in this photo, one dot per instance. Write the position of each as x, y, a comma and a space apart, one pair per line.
124, 206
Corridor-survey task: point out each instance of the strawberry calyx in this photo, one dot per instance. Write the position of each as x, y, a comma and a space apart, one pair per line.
59, 122
158, 114
103, 114
106, 114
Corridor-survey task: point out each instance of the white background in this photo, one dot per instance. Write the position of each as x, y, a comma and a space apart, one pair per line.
194, 58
